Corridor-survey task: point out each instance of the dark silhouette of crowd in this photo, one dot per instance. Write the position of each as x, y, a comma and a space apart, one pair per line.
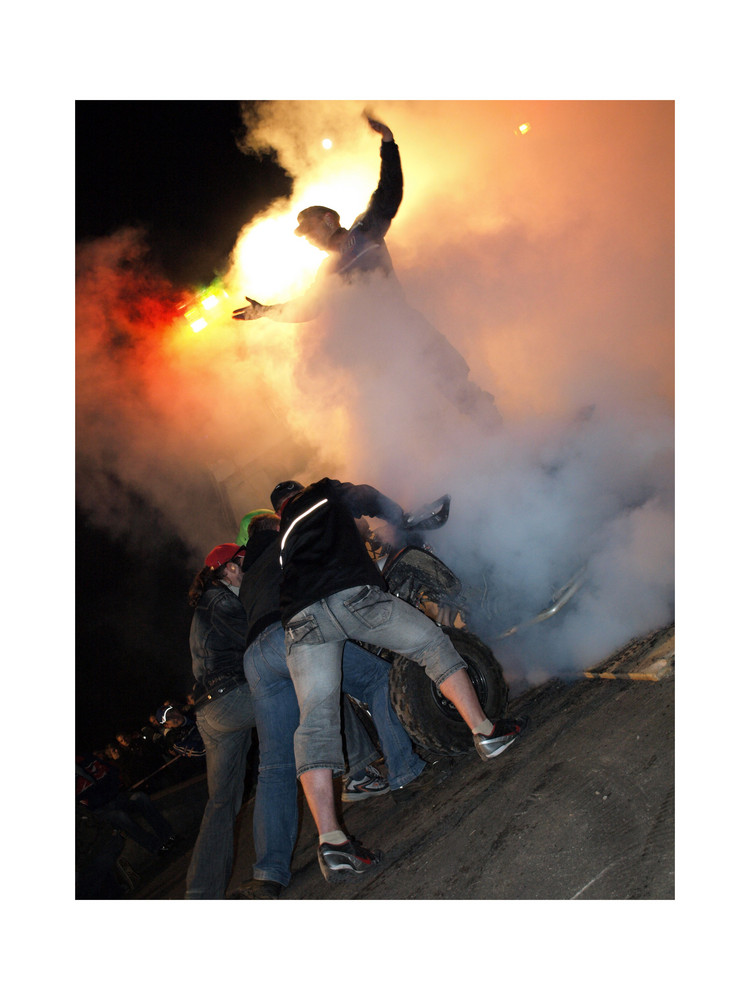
113, 803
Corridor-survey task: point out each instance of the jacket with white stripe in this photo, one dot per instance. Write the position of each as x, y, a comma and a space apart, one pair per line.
322, 551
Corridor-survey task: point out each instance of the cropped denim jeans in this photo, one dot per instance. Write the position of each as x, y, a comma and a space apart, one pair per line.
315, 638
277, 719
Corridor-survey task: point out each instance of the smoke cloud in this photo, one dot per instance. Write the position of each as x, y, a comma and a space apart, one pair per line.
534, 268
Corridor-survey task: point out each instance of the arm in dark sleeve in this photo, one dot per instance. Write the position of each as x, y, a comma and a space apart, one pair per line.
367, 500
386, 198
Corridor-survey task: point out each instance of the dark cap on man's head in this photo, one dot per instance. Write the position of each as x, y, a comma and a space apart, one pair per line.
306, 216
284, 490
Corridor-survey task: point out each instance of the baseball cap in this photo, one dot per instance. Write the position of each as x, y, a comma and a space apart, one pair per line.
222, 554
283, 490
306, 216
245, 524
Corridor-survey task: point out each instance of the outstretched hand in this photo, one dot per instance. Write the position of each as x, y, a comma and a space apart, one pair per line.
379, 127
254, 311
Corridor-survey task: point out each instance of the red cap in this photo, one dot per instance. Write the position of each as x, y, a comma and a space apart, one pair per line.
222, 554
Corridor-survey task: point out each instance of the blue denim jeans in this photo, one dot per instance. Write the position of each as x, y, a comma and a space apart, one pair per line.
365, 676
226, 726
277, 719
315, 638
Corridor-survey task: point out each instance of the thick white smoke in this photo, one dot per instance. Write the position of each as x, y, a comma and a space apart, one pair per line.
536, 268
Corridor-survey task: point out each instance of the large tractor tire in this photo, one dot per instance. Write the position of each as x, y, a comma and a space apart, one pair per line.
429, 718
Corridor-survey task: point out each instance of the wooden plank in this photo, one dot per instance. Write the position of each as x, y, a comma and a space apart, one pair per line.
650, 658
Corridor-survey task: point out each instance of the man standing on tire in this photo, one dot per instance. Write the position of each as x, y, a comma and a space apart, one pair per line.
331, 591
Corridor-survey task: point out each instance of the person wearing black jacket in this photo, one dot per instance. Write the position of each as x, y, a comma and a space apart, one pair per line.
224, 715
351, 251
331, 591
360, 254
364, 675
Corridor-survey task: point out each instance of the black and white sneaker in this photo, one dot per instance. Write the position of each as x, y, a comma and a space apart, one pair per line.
504, 732
372, 783
350, 860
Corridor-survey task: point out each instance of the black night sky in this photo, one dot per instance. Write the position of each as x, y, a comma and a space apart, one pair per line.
173, 169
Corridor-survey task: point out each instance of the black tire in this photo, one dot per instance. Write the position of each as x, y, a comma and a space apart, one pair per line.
431, 720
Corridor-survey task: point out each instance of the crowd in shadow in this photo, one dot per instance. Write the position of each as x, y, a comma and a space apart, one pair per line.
114, 789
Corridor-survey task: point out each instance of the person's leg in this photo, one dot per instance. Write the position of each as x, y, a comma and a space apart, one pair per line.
275, 816
118, 813
458, 689
140, 802
317, 785
359, 750
226, 726
376, 617
366, 677
314, 646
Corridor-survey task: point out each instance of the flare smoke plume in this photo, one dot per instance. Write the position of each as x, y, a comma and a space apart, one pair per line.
544, 258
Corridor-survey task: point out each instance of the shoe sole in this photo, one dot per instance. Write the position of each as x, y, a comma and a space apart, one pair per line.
500, 749
346, 874
353, 796
496, 753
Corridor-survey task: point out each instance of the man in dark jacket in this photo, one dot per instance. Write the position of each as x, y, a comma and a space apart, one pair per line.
361, 252
365, 676
331, 591
350, 251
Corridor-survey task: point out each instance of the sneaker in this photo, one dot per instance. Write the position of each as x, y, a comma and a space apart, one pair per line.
341, 862
258, 888
373, 783
504, 732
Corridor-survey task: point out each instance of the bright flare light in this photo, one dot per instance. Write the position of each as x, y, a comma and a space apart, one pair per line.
271, 263
523, 129
326, 144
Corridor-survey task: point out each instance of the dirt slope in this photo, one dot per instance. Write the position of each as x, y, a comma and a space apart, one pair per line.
582, 807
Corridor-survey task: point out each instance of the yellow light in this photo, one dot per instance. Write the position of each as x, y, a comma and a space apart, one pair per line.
523, 129
198, 325
271, 264
326, 144
209, 302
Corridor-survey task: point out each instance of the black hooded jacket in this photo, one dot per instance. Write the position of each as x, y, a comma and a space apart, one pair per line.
321, 549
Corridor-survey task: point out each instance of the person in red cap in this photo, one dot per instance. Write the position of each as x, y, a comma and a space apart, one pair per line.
224, 714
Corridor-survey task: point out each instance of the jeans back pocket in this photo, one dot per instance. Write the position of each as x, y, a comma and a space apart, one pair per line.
304, 630
371, 605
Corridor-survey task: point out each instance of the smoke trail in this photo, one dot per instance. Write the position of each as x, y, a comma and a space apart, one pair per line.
535, 268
